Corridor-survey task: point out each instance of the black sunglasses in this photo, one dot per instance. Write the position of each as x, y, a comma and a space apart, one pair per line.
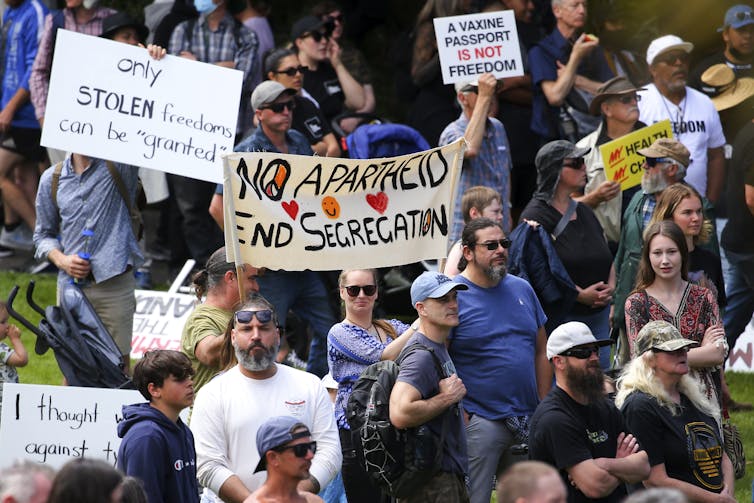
263, 316
654, 161
678, 351
582, 353
627, 99
317, 35
279, 107
575, 163
292, 71
494, 245
338, 18
353, 290
671, 57
300, 450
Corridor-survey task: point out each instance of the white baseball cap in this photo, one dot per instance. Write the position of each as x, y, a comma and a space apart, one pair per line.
569, 335
667, 43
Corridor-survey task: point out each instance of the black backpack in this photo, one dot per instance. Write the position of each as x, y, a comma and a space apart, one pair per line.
399, 461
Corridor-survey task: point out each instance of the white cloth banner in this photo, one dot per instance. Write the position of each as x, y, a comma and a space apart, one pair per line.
296, 212
474, 44
113, 101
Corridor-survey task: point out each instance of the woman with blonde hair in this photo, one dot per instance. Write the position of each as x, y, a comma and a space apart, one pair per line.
683, 205
352, 345
673, 419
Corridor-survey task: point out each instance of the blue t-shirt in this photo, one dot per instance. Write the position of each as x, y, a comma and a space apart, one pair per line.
494, 345
420, 371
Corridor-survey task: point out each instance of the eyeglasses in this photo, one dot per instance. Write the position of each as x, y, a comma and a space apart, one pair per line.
575, 163
582, 353
670, 58
317, 35
627, 99
263, 316
292, 71
493, 245
353, 290
300, 450
279, 107
338, 18
740, 16
654, 161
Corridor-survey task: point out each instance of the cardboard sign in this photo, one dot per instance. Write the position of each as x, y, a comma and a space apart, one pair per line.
296, 212
53, 424
113, 101
741, 357
478, 43
159, 320
621, 158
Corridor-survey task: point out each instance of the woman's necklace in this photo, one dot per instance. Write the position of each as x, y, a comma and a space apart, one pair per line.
371, 329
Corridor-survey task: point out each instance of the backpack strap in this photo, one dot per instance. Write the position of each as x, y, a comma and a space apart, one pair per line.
120, 185
56, 171
564, 219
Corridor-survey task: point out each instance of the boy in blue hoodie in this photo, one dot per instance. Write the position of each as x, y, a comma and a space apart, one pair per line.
157, 446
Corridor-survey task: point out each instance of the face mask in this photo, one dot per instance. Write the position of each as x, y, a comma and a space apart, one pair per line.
205, 6
88, 4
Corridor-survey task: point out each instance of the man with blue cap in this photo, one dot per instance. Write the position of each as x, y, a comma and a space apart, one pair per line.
286, 450
423, 395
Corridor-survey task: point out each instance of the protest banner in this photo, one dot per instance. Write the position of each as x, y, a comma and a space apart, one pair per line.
478, 43
113, 101
53, 424
621, 157
741, 357
159, 320
297, 212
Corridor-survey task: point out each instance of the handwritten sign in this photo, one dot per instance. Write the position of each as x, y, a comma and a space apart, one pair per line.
111, 100
741, 357
159, 320
297, 212
53, 424
621, 157
478, 43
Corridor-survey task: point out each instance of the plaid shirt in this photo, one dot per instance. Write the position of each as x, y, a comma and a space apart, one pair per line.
647, 209
491, 168
39, 82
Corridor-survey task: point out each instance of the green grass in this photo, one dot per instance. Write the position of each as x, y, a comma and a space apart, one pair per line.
44, 369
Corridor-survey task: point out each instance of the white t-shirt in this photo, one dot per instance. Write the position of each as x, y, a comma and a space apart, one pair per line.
695, 123
229, 410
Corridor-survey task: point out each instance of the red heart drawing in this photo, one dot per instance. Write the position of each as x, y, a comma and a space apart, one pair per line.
378, 202
291, 208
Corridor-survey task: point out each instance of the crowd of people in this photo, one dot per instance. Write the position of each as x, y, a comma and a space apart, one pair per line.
556, 277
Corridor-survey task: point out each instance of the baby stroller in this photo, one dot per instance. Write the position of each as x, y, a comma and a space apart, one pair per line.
85, 352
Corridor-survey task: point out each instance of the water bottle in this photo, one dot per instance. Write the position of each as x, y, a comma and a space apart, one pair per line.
85, 252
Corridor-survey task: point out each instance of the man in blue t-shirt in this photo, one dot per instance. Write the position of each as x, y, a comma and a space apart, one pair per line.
499, 352
424, 396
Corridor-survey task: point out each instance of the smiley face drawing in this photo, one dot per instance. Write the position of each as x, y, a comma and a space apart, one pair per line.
331, 207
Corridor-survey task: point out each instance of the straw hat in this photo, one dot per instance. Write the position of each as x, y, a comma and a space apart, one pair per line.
728, 90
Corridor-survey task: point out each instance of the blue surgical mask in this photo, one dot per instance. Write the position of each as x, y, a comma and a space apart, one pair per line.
205, 6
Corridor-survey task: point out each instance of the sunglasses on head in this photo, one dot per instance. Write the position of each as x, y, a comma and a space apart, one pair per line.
740, 16
279, 107
671, 57
582, 353
300, 450
575, 163
627, 99
292, 71
654, 161
263, 316
494, 245
318, 35
353, 290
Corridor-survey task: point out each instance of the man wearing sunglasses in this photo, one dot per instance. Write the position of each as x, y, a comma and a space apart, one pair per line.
286, 449
508, 377
233, 406
692, 115
580, 431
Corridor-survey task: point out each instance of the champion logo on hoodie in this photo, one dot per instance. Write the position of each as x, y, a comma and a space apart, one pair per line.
179, 464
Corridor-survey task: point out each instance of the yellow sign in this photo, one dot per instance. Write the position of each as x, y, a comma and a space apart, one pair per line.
621, 157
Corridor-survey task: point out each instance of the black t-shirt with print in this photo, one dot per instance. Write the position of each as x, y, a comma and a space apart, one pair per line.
688, 444
308, 120
564, 433
324, 86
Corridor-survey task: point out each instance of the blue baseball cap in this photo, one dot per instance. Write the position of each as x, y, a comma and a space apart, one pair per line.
433, 285
276, 432
737, 17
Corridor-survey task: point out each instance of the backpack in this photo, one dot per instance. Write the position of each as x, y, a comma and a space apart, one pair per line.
134, 211
399, 461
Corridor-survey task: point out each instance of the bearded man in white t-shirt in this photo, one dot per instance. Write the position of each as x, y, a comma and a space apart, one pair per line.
693, 117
